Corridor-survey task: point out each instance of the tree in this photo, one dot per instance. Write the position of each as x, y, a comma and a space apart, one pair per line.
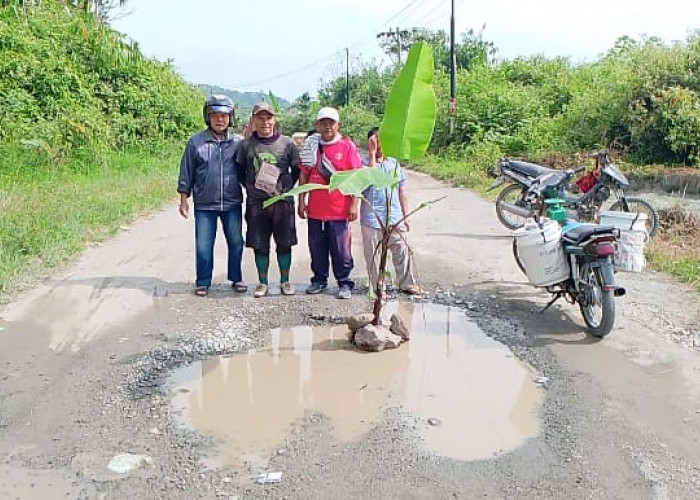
472, 50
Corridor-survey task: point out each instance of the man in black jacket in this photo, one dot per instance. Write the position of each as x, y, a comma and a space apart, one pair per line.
268, 165
207, 173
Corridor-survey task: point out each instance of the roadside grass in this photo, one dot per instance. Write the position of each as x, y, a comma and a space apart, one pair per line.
49, 215
461, 169
676, 248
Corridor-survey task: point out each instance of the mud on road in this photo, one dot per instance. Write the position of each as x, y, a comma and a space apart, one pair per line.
84, 360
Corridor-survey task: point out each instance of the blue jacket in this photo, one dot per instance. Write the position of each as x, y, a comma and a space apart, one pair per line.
207, 172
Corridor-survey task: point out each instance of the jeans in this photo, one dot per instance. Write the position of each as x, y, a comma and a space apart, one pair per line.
205, 222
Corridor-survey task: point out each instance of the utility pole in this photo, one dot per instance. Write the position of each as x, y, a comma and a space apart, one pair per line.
453, 70
398, 42
347, 76
393, 39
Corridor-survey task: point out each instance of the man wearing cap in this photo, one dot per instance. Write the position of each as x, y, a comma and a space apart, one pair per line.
329, 213
268, 165
207, 174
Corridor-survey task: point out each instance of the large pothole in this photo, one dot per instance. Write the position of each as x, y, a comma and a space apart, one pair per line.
476, 399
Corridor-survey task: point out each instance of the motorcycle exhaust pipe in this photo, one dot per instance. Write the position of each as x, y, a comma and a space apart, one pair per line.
522, 212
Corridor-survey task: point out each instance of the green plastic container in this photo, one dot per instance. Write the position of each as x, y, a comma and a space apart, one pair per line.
555, 209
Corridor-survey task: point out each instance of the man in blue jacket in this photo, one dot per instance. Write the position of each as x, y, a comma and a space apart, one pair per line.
208, 174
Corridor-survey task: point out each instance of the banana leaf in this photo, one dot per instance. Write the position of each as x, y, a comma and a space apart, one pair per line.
409, 118
293, 192
354, 182
274, 101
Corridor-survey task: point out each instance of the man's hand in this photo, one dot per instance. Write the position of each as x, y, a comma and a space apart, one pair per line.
406, 227
352, 213
184, 208
302, 209
372, 149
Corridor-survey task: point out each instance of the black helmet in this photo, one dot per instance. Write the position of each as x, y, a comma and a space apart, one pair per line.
218, 103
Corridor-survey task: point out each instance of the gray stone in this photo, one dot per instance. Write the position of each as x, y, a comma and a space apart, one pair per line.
370, 338
376, 338
398, 327
392, 341
351, 336
357, 321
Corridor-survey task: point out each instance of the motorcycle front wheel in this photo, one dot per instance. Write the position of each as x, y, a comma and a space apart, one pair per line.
512, 196
598, 304
640, 206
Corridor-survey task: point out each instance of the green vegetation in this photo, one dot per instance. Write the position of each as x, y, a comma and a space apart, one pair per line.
90, 132
641, 100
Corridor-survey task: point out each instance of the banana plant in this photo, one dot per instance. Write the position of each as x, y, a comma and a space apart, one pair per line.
405, 132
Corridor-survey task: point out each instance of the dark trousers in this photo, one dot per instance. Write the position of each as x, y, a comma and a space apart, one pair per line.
330, 238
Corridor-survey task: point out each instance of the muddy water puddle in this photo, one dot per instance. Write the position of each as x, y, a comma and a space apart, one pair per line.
473, 399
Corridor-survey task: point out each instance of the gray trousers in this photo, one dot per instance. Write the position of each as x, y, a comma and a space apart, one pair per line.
403, 263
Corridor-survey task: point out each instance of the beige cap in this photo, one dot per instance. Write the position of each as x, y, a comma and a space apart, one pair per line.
263, 106
329, 113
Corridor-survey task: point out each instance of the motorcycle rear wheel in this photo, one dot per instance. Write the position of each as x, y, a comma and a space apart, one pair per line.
640, 206
599, 312
512, 194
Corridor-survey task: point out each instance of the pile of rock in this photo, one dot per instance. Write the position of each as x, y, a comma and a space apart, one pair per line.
368, 337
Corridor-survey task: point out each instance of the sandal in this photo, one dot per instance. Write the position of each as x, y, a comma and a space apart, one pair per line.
239, 287
201, 291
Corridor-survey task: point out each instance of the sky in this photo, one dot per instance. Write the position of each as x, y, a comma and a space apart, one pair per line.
292, 46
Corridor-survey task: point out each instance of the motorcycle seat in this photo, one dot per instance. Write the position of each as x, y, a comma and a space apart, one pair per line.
526, 168
582, 232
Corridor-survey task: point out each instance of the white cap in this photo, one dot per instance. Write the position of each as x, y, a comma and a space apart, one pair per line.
330, 113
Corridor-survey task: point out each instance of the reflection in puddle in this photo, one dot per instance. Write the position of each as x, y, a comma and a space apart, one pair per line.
483, 399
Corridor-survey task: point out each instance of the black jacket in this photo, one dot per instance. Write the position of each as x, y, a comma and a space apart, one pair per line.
208, 174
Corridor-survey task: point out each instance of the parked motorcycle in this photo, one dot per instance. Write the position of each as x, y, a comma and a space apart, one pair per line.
596, 187
584, 274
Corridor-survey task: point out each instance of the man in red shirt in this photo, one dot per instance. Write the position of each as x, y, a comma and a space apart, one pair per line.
329, 213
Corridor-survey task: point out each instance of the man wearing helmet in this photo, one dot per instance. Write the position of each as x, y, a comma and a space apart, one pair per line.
207, 173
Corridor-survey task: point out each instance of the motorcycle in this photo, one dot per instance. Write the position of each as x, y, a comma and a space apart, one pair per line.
588, 251
596, 187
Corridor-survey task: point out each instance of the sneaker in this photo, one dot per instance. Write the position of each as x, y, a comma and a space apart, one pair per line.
413, 290
239, 287
315, 288
344, 292
260, 291
287, 288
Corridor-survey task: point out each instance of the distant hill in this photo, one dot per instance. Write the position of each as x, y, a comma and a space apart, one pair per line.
241, 99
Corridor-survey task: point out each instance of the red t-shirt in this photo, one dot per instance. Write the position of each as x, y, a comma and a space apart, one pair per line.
327, 205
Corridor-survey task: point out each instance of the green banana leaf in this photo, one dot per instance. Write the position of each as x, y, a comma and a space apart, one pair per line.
274, 101
409, 118
350, 182
354, 182
293, 192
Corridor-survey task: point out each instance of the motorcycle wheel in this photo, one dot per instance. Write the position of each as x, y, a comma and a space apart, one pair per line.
599, 312
513, 195
640, 206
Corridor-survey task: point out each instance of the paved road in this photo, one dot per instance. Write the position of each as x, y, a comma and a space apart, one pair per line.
83, 356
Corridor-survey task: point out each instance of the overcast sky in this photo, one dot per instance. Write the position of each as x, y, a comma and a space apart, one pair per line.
291, 46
